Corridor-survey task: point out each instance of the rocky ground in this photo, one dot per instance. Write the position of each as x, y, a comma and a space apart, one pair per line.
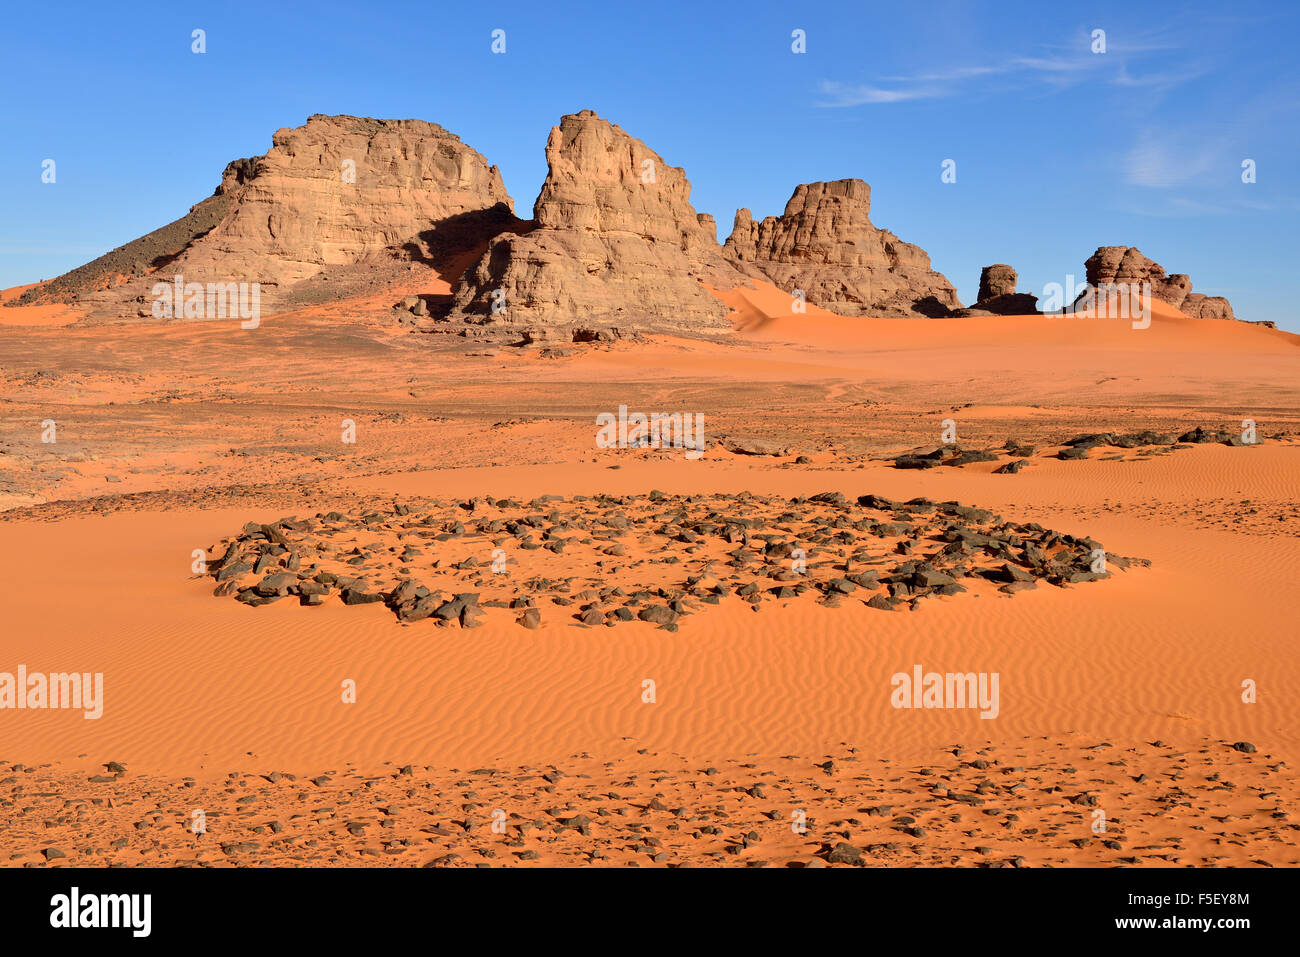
463, 451
1074, 449
1085, 803
658, 558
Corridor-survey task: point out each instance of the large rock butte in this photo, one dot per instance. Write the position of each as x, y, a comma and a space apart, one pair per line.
297, 211
615, 246
825, 244
1126, 264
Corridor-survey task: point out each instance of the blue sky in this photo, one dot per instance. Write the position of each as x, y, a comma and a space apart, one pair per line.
1058, 149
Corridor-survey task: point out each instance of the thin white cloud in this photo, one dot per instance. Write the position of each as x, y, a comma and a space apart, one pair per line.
928, 86
1163, 81
961, 73
1073, 66
1162, 161
1056, 64
842, 94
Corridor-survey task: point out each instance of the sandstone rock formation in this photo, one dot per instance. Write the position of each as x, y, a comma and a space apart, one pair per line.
330, 193
616, 246
825, 244
998, 296
1126, 264
997, 280
344, 204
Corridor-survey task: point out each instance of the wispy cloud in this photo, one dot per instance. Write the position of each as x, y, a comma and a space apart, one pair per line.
1163, 161
960, 73
1167, 206
946, 83
1207, 153
1158, 81
842, 94
928, 86
1055, 70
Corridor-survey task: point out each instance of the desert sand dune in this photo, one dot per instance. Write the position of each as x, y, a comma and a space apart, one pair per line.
173, 436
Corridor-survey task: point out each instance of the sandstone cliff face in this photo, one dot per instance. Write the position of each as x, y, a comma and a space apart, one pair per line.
616, 245
1126, 264
330, 193
825, 244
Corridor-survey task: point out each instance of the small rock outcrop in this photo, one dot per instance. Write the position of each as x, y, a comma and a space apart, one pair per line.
997, 280
615, 246
1126, 264
825, 244
998, 296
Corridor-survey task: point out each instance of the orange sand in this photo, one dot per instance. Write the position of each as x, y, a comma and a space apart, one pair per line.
202, 687
52, 314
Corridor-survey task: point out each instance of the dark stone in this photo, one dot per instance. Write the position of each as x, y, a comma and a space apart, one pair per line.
276, 584
356, 596
659, 614
845, 854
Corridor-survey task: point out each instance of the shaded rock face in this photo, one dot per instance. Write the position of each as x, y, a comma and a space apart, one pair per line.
330, 193
825, 244
1126, 264
616, 245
